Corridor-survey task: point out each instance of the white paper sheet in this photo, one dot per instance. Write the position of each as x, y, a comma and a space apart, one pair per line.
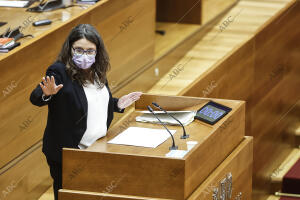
18, 4
185, 117
142, 137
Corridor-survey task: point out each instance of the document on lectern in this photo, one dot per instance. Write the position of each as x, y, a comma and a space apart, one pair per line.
142, 137
185, 117
18, 4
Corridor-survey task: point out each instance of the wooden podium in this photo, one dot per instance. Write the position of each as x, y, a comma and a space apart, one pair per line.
110, 171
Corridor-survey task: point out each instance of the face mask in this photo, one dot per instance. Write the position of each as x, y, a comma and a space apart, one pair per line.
84, 61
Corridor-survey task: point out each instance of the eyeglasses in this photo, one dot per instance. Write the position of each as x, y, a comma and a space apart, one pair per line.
80, 51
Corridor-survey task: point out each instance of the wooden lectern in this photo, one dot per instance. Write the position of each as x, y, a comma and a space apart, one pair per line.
110, 171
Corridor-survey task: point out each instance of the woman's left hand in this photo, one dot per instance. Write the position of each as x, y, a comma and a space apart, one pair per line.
128, 99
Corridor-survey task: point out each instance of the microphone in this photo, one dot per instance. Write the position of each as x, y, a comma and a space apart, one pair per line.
184, 136
173, 147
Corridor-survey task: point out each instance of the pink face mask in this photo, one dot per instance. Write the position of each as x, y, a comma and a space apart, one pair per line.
83, 61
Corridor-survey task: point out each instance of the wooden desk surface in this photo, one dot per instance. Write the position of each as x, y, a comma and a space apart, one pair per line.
20, 17
202, 133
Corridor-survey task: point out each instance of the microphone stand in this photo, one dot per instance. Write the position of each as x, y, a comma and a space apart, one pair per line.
184, 136
173, 147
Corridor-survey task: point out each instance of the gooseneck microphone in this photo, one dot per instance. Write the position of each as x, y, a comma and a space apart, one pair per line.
184, 136
173, 147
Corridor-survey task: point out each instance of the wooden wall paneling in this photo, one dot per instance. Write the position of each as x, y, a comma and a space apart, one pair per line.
206, 54
261, 105
123, 175
224, 79
239, 164
27, 177
179, 11
82, 195
273, 141
130, 38
277, 92
211, 8
152, 73
190, 11
272, 50
174, 35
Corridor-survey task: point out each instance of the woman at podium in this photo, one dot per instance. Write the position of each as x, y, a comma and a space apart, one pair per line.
80, 104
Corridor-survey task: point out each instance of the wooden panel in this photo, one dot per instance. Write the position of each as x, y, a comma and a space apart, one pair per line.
23, 67
164, 177
212, 8
239, 164
208, 47
73, 194
128, 35
190, 11
175, 34
241, 179
269, 85
165, 61
130, 174
27, 177
276, 92
221, 81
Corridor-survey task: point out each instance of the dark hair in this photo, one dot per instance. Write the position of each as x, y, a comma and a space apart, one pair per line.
101, 65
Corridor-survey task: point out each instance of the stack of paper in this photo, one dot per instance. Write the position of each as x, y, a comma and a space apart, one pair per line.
143, 137
185, 117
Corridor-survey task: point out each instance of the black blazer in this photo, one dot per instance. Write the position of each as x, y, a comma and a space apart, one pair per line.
67, 113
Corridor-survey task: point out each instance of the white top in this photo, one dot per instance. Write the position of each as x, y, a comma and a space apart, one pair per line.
97, 100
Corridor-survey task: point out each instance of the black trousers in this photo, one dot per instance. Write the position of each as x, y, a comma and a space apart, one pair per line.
56, 174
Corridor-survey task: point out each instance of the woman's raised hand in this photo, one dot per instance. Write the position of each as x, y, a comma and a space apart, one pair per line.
49, 87
128, 99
